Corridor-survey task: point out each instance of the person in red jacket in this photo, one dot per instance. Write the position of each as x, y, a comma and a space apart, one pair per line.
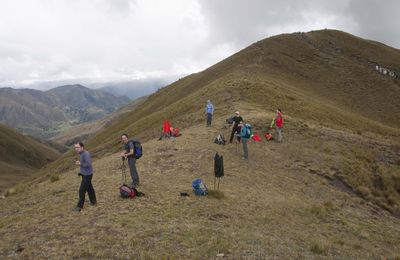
278, 122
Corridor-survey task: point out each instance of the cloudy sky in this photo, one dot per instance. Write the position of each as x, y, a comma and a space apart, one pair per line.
53, 40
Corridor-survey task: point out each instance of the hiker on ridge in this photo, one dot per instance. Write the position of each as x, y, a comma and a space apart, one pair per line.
237, 119
86, 171
245, 135
278, 122
129, 154
209, 112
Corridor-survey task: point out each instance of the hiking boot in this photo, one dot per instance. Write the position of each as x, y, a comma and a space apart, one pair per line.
93, 204
77, 209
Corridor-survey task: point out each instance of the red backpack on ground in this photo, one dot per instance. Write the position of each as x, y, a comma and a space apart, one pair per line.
268, 136
127, 192
175, 132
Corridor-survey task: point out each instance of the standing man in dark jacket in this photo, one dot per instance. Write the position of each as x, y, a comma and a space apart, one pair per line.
129, 154
237, 120
86, 171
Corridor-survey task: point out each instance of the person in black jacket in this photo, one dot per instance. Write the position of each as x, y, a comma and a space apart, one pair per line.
237, 119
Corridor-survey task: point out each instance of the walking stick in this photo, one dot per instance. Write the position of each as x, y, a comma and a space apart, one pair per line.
123, 171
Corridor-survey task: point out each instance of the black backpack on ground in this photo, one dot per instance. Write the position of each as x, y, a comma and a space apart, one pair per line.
220, 139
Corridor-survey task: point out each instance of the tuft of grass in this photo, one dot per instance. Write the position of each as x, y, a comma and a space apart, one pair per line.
318, 211
54, 177
320, 247
216, 194
328, 205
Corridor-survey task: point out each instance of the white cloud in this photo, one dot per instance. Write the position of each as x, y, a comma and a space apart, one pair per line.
103, 39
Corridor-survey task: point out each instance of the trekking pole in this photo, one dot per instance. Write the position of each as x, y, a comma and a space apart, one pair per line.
237, 144
215, 179
123, 169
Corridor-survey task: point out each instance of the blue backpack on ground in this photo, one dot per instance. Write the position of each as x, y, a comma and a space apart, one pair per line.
246, 131
199, 187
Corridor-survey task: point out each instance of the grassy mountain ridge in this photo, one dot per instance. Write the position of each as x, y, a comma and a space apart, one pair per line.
21, 156
268, 75
330, 190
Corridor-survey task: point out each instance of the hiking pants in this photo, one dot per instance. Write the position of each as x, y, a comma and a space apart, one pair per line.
245, 150
235, 129
86, 186
132, 168
279, 134
209, 118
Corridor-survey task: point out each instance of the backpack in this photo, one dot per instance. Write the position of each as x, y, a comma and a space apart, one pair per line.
199, 187
246, 131
127, 192
137, 148
175, 132
229, 120
269, 136
220, 139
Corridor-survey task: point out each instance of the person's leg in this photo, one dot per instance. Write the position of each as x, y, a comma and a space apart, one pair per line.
209, 119
245, 150
238, 129
279, 134
91, 192
82, 190
134, 174
232, 134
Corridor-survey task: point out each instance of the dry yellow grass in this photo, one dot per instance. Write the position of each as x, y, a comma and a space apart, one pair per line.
272, 207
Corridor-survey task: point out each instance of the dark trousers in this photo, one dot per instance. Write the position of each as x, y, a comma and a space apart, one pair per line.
86, 186
235, 129
134, 173
209, 118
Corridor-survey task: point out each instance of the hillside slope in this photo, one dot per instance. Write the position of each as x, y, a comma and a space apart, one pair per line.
43, 114
323, 78
272, 206
20, 157
81, 132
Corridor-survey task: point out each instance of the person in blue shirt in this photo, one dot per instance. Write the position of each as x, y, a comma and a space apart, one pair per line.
86, 171
209, 111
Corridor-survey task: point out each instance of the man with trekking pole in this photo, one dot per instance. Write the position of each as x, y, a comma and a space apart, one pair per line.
129, 154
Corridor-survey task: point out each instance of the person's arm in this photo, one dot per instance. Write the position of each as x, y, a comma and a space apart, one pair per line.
272, 123
131, 148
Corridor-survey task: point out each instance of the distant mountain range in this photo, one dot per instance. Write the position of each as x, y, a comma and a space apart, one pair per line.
46, 113
135, 88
